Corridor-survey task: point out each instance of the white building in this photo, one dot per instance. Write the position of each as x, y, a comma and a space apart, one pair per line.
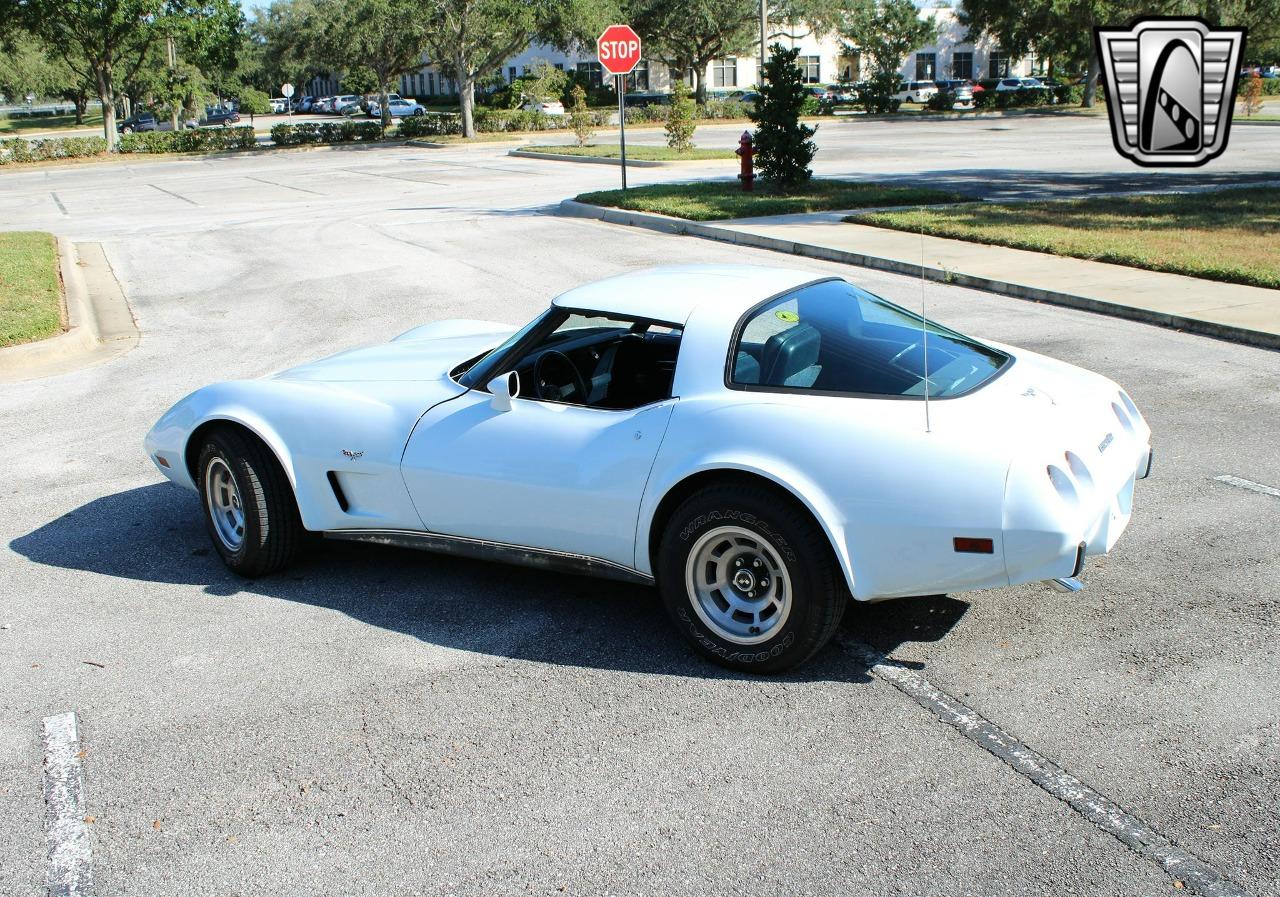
824, 60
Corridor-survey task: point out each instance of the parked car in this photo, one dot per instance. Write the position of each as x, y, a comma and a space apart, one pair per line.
546, 107
348, 104
139, 121
643, 428
323, 105
1019, 84
220, 115
279, 105
960, 89
303, 103
399, 108
751, 97
915, 91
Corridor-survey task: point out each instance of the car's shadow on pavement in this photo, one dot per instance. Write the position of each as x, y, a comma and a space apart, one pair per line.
156, 534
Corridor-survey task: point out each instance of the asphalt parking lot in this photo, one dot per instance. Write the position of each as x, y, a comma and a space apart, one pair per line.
380, 721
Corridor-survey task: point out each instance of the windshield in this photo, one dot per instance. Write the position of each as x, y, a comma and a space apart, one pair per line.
484, 370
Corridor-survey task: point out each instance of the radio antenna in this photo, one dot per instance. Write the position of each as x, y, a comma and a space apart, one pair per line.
924, 328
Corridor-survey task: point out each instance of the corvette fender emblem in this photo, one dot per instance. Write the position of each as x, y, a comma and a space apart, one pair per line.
351, 455
1106, 441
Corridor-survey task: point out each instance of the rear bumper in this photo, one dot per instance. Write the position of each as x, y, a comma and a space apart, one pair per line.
1057, 517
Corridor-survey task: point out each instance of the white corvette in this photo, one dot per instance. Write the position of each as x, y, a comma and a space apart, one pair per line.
761, 443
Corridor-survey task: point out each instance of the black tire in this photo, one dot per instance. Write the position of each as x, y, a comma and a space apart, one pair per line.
272, 528
790, 539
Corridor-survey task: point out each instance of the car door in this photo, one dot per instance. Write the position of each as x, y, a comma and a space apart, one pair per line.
559, 477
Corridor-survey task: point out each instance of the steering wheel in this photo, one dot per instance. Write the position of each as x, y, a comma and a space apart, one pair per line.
568, 384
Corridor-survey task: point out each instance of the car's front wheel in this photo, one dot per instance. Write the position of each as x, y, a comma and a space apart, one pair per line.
127, 129
749, 578
249, 506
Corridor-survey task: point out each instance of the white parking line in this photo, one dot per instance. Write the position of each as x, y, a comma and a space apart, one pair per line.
1196, 875
70, 851
1248, 484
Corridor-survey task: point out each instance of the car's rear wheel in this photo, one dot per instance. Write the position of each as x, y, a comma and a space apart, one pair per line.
249, 506
126, 130
749, 578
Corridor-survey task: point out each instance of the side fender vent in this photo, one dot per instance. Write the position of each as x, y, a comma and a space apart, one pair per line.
337, 491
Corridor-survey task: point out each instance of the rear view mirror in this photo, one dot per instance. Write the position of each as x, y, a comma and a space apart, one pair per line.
504, 388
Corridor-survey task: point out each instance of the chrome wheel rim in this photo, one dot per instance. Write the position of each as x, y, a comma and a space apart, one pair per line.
738, 586
222, 501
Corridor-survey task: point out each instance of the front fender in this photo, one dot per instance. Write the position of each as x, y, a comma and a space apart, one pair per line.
167, 443
321, 433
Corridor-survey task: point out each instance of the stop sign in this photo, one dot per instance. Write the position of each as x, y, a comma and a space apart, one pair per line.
618, 49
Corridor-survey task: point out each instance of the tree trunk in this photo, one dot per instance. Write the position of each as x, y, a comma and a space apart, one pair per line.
106, 93
1091, 78
82, 104
700, 91
467, 101
384, 108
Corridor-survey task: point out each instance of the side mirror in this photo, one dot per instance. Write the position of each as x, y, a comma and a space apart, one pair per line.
504, 387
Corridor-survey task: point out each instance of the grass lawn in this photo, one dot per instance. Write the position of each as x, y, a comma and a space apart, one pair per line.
30, 293
1229, 235
716, 200
637, 151
11, 127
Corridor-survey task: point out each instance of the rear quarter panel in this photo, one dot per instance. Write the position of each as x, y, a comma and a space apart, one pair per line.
890, 497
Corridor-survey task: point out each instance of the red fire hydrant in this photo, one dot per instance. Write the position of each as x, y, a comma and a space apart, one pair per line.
745, 153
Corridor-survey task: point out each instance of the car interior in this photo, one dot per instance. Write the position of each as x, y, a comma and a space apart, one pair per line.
833, 337
594, 361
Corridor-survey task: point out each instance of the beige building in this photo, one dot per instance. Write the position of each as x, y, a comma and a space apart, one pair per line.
825, 60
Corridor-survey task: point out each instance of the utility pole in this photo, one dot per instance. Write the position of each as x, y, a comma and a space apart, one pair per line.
764, 33
172, 53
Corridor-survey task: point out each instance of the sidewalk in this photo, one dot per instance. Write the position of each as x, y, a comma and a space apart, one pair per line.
1230, 311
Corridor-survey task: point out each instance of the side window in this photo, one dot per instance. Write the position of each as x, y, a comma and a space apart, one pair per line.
598, 361
833, 337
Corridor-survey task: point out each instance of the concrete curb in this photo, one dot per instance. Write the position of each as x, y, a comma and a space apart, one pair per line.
667, 225
607, 160
100, 325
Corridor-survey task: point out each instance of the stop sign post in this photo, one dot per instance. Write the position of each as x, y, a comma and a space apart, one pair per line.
618, 50
286, 90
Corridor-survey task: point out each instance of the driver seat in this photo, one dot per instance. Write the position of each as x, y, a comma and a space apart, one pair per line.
790, 358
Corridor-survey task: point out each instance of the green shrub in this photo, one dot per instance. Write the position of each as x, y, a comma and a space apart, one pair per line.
714, 109
784, 146
942, 101
431, 124
19, 149
1270, 87
645, 115
193, 140
811, 105
1069, 94
494, 121
313, 132
680, 118
878, 95
579, 115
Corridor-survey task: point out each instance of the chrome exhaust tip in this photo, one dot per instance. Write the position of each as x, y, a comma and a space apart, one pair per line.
1067, 584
